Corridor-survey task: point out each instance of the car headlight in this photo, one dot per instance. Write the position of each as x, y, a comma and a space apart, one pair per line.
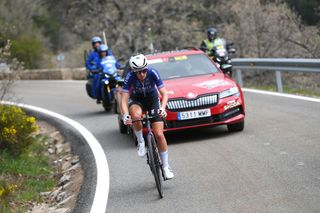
229, 92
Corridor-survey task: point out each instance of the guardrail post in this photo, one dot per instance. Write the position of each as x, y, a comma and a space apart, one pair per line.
239, 77
279, 81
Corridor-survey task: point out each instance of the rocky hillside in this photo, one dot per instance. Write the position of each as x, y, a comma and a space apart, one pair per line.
259, 28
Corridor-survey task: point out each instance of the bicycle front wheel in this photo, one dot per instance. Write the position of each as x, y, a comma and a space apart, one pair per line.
154, 163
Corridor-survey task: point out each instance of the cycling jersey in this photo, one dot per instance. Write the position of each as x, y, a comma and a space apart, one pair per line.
149, 88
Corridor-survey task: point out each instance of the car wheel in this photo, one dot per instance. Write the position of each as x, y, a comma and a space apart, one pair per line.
236, 127
115, 107
122, 127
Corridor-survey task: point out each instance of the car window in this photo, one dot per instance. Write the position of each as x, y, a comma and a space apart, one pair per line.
183, 66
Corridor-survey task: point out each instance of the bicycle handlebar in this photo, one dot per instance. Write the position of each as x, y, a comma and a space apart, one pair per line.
150, 117
145, 117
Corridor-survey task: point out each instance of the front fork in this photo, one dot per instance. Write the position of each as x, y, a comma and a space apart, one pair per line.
106, 92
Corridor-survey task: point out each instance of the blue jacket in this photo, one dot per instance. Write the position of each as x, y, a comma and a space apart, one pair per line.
93, 61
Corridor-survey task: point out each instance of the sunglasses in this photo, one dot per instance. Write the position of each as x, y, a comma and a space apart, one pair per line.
142, 71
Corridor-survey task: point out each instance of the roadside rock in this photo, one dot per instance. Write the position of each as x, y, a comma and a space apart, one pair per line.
56, 136
46, 208
51, 151
64, 179
66, 165
69, 174
75, 160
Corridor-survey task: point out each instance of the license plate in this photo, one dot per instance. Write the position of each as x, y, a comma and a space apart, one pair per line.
194, 114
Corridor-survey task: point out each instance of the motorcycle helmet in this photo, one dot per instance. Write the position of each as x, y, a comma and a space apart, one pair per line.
212, 33
138, 62
96, 39
103, 48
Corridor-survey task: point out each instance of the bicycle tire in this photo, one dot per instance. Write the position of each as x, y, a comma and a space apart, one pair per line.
154, 163
158, 172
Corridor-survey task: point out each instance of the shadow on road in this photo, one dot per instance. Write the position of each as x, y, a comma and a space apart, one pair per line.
199, 134
91, 114
115, 140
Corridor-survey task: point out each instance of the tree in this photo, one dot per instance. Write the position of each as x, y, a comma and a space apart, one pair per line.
309, 10
9, 73
272, 29
259, 28
308, 40
17, 24
16, 17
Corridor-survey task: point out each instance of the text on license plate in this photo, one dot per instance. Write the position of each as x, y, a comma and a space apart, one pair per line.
194, 114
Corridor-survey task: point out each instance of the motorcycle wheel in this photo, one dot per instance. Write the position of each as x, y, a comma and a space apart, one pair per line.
88, 89
106, 105
115, 107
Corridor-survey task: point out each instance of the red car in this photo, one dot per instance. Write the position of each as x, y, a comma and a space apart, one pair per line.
200, 94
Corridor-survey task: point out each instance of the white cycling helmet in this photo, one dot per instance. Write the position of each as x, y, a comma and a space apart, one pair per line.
138, 62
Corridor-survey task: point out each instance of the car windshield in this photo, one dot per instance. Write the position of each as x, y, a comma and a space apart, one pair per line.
183, 66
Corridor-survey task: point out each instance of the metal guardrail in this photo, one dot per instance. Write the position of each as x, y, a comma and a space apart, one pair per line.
275, 64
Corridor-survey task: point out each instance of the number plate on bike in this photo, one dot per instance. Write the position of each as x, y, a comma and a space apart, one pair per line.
194, 114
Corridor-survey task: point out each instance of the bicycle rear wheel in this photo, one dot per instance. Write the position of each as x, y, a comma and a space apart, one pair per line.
154, 163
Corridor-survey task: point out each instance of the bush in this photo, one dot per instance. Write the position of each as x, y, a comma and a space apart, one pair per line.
28, 50
6, 189
15, 129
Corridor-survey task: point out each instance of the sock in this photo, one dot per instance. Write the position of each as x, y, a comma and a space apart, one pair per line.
139, 136
164, 159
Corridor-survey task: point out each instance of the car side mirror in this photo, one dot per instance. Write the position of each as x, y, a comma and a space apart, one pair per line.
121, 67
226, 67
122, 58
229, 43
232, 50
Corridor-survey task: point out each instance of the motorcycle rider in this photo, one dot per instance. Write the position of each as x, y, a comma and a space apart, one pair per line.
92, 63
208, 44
104, 55
92, 60
141, 93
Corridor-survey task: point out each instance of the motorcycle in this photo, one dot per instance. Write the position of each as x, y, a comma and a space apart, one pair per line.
107, 78
221, 54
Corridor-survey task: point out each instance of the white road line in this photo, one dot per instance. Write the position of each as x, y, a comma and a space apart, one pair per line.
282, 95
102, 187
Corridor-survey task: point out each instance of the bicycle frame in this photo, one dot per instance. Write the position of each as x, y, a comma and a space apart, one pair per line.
153, 157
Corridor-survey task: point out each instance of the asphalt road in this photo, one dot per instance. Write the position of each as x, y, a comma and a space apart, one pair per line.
272, 166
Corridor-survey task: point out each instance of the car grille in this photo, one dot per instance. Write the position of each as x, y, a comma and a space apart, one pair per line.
186, 104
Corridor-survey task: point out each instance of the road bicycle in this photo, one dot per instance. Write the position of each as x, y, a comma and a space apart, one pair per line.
153, 157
